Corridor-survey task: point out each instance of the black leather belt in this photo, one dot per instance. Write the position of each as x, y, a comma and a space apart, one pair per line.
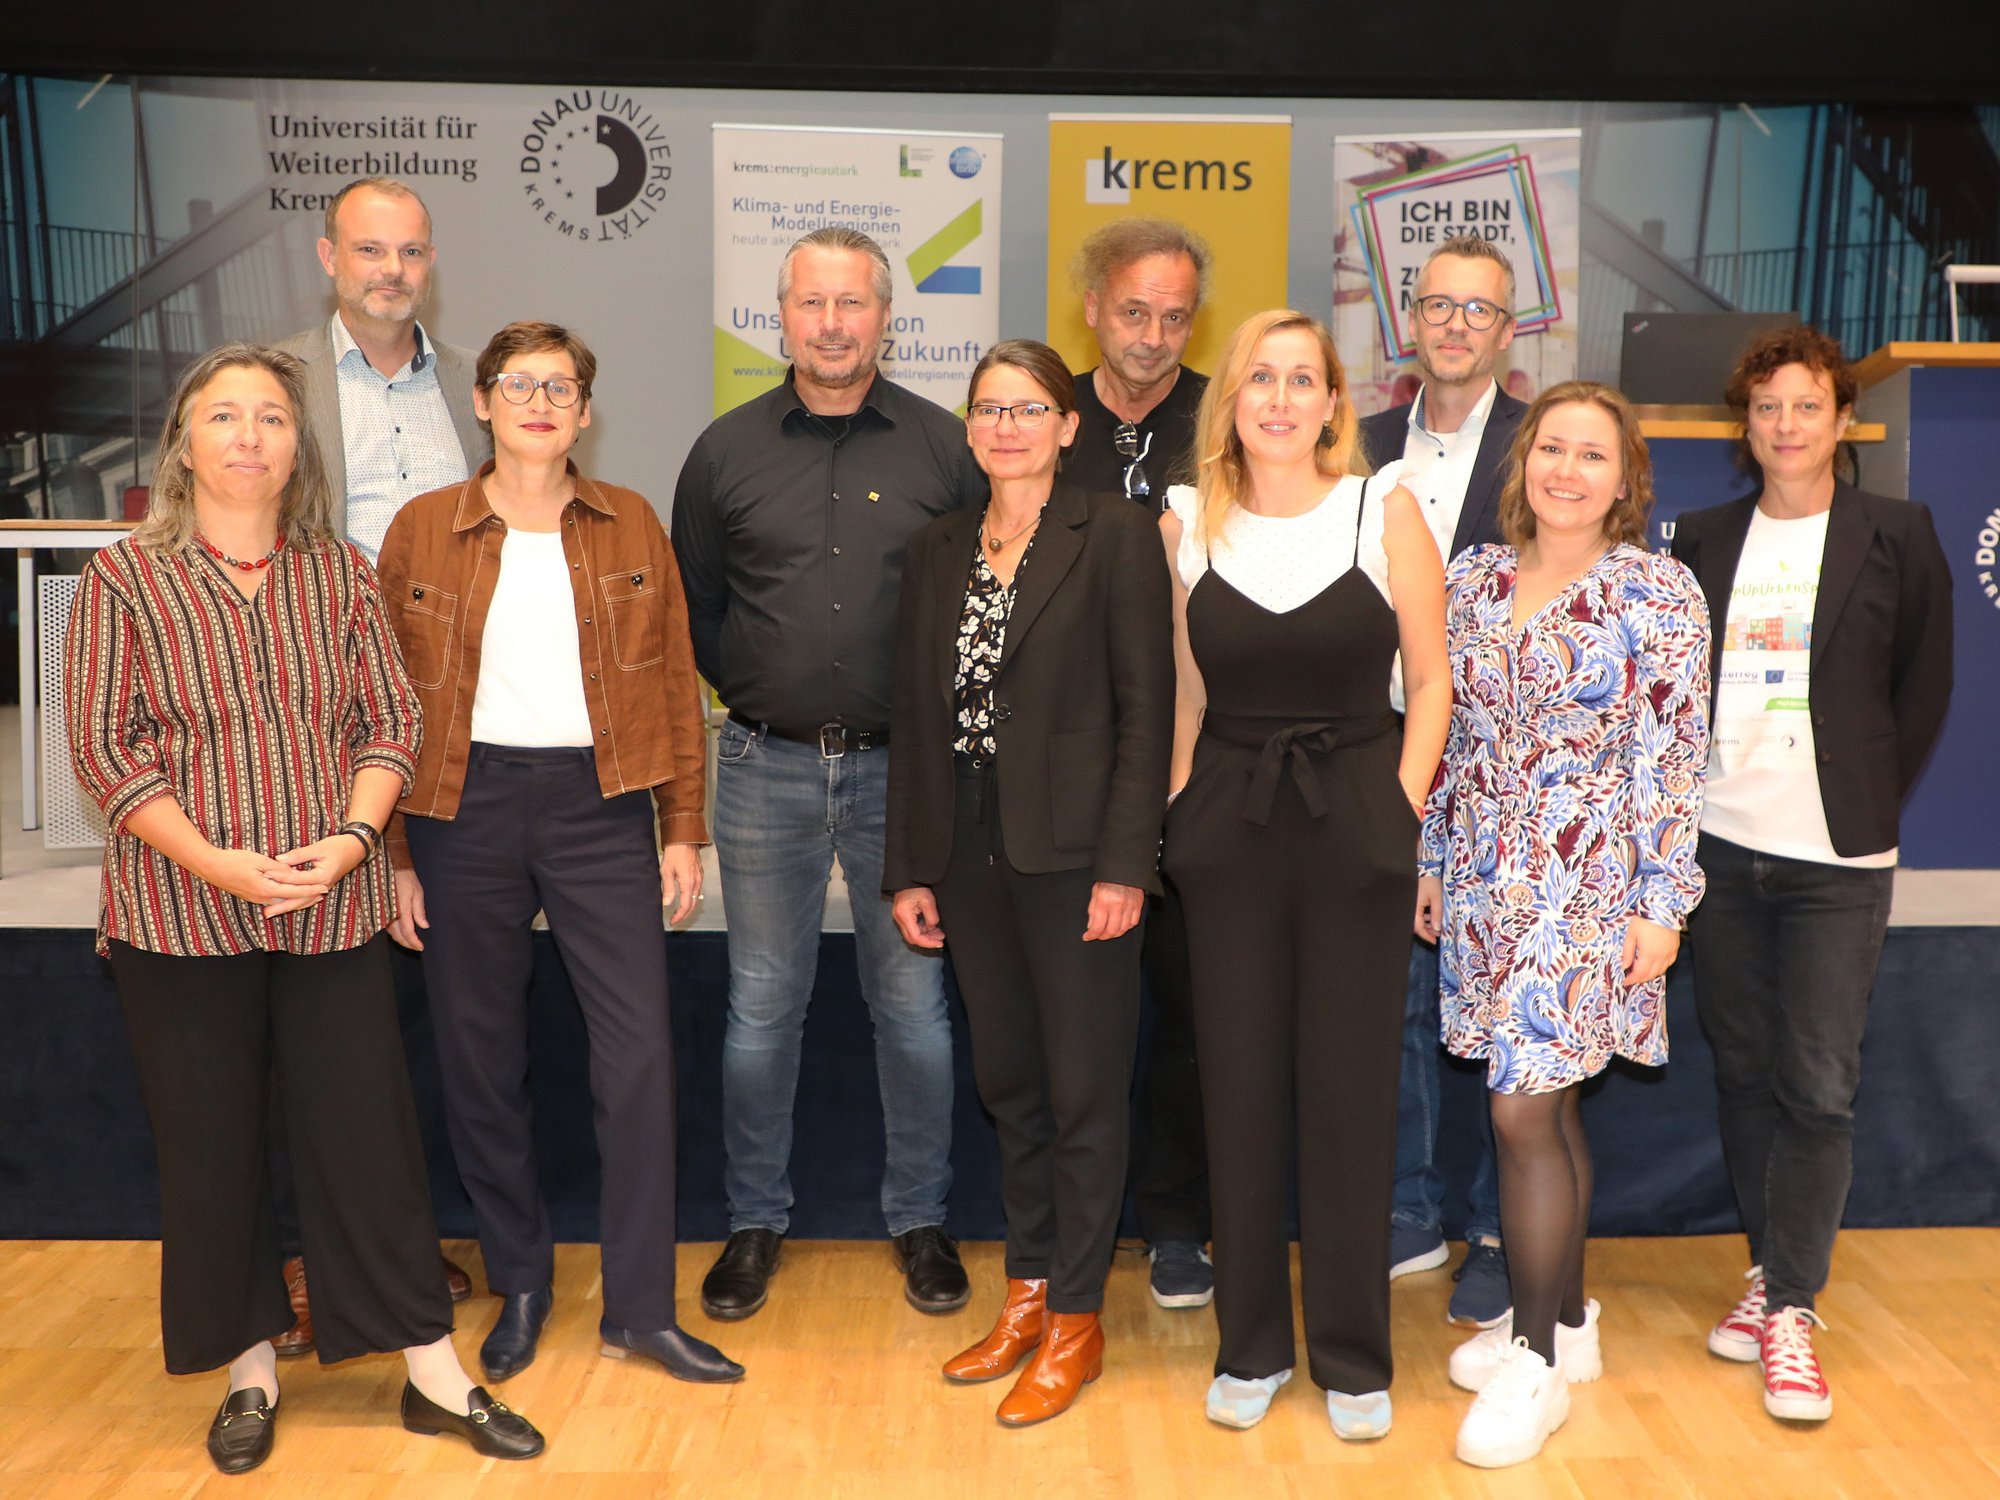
831, 740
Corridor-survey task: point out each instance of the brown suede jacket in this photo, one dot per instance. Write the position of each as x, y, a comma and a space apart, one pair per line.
439, 563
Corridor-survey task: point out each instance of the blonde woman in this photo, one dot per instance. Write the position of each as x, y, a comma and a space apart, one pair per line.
1293, 840
239, 712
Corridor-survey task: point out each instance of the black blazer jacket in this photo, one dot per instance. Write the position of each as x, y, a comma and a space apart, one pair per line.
1082, 702
1382, 438
1881, 648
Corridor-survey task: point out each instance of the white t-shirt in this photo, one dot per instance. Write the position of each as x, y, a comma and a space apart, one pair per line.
530, 689
1763, 766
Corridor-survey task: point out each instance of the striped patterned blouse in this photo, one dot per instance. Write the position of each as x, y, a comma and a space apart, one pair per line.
255, 714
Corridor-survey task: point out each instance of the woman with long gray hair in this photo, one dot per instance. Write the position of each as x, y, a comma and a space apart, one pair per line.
239, 712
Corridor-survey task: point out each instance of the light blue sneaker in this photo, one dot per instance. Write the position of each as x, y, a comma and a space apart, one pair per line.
1359, 1419
1242, 1403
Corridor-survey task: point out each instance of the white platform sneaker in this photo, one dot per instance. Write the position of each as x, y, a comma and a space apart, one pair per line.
1525, 1400
1474, 1361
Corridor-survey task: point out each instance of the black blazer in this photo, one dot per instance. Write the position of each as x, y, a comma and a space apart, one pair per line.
1382, 438
1083, 700
1881, 649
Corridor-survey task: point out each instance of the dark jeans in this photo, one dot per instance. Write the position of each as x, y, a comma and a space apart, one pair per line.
1785, 952
1170, 1147
1419, 1188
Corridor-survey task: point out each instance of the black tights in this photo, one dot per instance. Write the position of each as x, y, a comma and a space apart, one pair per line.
1545, 1183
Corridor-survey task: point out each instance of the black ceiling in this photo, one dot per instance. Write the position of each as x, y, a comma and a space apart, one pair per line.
1930, 52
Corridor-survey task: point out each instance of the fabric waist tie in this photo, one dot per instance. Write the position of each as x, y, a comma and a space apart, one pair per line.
1295, 743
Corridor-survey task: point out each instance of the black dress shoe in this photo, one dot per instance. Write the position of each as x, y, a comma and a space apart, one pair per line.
491, 1428
510, 1347
685, 1356
933, 1279
457, 1280
739, 1281
240, 1437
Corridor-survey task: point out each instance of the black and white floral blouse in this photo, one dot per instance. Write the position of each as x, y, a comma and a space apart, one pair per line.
982, 632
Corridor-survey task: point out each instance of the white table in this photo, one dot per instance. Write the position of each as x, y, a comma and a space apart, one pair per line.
25, 537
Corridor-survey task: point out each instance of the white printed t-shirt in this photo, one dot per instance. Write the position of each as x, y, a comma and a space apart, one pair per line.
1763, 766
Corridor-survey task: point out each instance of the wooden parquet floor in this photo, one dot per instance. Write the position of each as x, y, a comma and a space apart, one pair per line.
843, 1399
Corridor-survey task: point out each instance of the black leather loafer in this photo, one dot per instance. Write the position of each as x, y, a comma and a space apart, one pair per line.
491, 1428
241, 1435
933, 1279
510, 1347
685, 1356
739, 1281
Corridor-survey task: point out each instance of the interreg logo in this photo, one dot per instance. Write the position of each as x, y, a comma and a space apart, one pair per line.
595, 164
1986, 556
1110, 179
966, 162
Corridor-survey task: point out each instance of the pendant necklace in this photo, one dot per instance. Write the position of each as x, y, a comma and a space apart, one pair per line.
995, 543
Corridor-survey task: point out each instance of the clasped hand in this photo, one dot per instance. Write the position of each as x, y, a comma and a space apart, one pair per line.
286, 882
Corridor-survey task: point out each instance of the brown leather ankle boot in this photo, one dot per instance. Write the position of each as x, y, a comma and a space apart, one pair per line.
1071, 1356
1017, 1330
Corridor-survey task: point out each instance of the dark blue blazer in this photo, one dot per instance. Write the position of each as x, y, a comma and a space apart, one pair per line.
1382, 437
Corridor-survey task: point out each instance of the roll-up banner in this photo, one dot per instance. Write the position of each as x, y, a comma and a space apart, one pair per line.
1397, 200
930, 200
1229, 177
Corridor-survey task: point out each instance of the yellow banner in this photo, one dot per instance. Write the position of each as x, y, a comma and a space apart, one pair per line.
1229, 177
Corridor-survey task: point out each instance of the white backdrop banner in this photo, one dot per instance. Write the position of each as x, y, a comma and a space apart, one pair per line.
931, 200
1395, 201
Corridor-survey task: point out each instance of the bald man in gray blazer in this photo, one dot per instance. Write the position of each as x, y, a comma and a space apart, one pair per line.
393, 410
392, 406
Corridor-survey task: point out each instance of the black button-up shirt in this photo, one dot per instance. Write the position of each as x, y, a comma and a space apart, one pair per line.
790, 529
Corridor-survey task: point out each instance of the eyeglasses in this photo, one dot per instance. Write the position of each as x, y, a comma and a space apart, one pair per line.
1026, 414
520, 389
1125, 438
1480, 314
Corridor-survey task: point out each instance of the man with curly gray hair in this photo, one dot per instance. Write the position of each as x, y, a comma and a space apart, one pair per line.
1143, 281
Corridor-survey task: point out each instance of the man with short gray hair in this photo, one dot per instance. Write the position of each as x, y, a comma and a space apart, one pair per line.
1143, 280
790, 522
394, 413
401, 402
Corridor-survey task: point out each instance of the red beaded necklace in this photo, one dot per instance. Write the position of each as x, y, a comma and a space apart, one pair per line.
249, 567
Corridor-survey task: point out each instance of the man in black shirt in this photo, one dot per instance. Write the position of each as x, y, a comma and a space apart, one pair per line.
790, 521
1143, 281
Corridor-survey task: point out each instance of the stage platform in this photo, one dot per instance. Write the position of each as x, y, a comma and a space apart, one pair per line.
843, 1400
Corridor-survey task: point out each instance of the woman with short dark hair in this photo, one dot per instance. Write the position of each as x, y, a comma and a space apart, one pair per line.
1832, 617
1034, 699
239, 713
541, 614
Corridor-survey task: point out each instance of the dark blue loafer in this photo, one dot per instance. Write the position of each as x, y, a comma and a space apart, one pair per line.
685, 1356
510, 1347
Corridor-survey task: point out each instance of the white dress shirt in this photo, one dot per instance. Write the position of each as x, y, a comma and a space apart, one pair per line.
1438, 465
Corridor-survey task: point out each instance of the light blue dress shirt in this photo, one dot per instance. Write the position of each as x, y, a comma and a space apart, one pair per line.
396, 433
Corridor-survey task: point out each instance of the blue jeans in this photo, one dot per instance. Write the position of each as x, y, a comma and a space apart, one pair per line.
1419, 1200
781, 816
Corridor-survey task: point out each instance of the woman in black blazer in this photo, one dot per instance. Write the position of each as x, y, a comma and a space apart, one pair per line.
1831, 611
1033, 724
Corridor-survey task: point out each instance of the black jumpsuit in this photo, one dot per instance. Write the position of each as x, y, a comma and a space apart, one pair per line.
1294, 849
